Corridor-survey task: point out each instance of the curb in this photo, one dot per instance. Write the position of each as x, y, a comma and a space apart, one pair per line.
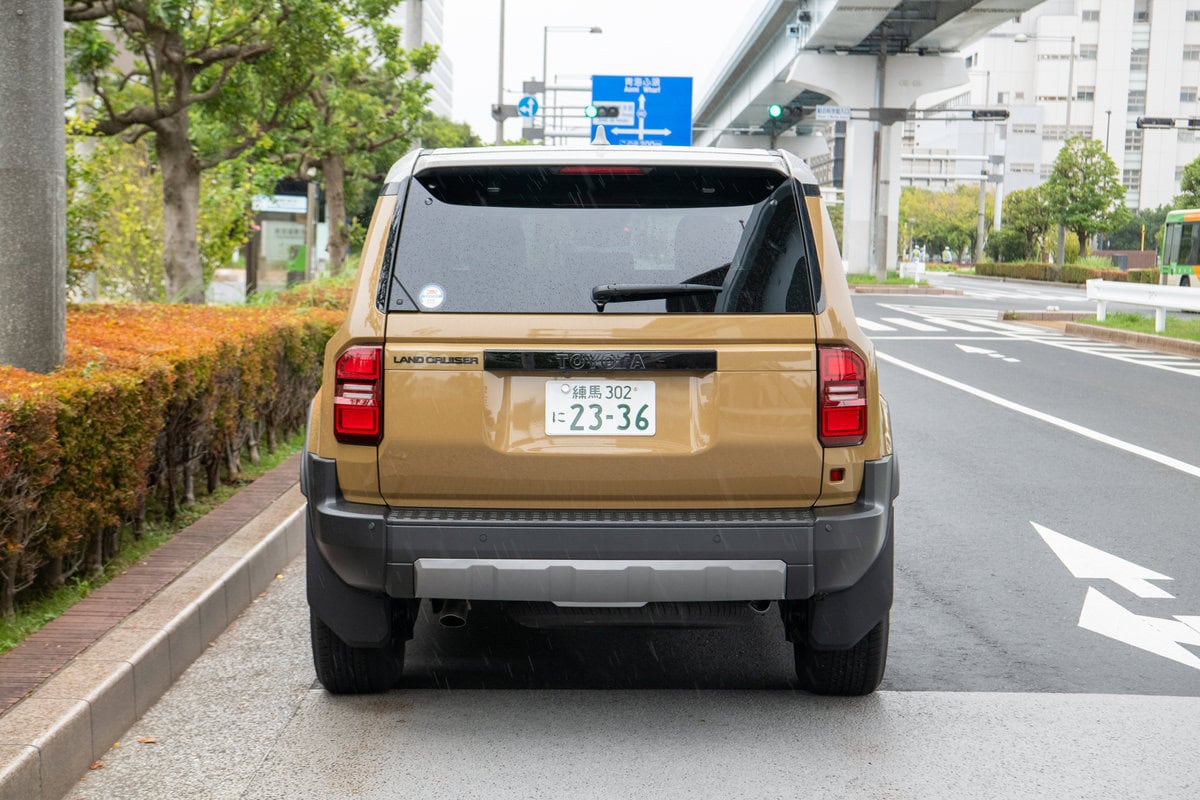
1046, 316
49, 739
1145, 341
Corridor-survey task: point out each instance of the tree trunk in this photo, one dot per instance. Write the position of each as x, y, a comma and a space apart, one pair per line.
181, 209
53, 573
333, 168
94, 561
8, 592
1083, 242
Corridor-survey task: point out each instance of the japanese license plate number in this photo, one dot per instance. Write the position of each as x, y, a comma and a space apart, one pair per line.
600, 408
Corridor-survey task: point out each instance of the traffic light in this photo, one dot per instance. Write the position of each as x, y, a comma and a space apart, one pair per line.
594, 111
989, 113
774, 111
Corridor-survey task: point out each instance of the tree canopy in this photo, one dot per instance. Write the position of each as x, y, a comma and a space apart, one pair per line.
1189, 186
1085, 190
937, 220
211, 81
368, 97
1028, 212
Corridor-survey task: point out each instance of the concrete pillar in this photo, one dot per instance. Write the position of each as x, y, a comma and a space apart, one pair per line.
33, 244
850, 81
857, 205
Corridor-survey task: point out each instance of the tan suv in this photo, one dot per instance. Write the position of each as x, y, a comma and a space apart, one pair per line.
600, 385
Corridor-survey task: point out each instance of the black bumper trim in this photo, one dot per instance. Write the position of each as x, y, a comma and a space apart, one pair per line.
373, 548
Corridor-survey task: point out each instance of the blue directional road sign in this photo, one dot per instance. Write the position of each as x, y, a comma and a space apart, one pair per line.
528, 106
643, 110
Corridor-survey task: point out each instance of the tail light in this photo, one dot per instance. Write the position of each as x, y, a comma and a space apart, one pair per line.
842, 396
357, 405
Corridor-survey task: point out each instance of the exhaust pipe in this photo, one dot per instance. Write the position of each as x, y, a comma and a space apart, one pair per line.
454, 613
760, 606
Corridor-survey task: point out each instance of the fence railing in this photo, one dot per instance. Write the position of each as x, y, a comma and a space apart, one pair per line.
1160, 298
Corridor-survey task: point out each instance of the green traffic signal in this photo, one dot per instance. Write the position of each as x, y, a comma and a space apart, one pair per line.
590, 112
775, 111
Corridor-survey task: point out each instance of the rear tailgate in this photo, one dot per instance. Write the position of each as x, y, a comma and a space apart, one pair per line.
652, 411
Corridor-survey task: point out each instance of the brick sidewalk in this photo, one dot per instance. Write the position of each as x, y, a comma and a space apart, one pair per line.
32, 662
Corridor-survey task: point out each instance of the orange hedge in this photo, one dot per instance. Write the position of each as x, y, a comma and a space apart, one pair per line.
149, 398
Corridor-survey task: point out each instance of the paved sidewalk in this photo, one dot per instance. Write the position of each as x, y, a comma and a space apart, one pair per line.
70, 690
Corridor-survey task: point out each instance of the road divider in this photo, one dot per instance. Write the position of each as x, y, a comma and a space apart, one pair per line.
1160, 298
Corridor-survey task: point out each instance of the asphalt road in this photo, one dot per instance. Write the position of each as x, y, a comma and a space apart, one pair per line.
1028, 458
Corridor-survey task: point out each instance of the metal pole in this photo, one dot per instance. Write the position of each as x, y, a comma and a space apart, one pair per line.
33, 216
1070, 85
878, 227
1107, 128
1062, 232
500, 80
310, 232
545, 83
981, 221
997, 212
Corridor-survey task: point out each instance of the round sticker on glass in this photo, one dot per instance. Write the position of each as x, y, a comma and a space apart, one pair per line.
432, 296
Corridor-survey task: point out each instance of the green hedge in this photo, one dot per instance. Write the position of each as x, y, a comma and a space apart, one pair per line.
1068, 273
150, 398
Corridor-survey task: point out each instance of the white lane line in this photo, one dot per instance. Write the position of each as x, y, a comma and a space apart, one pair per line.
908, 323
959, 326
930, 338
1010, 327
927, 312
1059, 422
868, 325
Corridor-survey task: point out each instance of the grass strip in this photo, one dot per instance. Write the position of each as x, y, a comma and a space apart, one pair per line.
1139, 323
893, 279
32, 616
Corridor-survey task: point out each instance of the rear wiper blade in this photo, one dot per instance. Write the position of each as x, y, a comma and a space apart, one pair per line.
628, 292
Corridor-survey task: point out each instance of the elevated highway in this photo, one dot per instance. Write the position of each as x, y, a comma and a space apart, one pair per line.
878, 58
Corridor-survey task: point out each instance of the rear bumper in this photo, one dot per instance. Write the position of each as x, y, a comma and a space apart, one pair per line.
597, 556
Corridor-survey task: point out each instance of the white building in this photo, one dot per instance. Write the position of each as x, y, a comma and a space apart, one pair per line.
1074, 67
422, 23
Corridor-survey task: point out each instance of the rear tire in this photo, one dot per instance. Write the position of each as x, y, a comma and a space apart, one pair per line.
342, 669
1185, 280
855, 671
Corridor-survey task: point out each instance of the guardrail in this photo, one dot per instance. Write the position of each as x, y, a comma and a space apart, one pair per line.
1160, 298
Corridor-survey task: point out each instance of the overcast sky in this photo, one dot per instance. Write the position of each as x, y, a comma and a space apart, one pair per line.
675, 38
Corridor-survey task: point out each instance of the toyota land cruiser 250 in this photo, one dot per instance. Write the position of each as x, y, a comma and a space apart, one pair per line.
615, 384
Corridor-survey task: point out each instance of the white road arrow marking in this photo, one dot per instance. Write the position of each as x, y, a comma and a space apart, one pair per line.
1163, 637
966, 348
1085, 561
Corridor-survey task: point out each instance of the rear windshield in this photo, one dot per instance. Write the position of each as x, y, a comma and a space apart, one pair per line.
578, 239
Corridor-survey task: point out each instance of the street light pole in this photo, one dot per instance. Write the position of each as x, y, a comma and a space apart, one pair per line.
1062, 232
545, 69
500, 81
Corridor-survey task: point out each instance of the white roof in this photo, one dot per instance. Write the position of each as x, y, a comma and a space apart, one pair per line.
631, 155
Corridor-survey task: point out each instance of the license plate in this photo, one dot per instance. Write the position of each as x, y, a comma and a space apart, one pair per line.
599, 408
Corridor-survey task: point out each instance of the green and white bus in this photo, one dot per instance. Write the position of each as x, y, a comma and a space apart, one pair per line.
1179, 257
